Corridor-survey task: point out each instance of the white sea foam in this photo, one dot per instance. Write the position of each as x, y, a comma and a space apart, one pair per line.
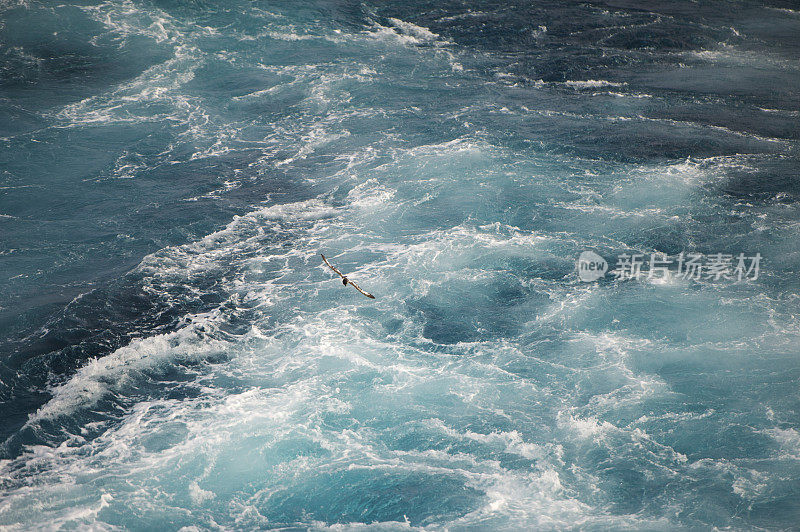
468, 14
787, 112
789, 441
784, 10
593, 84
405, 33
623, 94
117, 370
421, 33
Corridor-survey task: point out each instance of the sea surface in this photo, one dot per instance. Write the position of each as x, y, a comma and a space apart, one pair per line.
173, 352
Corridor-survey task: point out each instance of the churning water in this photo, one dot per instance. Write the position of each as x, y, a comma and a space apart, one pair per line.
174, 353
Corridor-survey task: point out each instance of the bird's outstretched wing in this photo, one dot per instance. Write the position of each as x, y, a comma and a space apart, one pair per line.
360, 290
331, 266
348, 281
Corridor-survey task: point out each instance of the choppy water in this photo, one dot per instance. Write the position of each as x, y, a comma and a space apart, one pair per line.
174, 353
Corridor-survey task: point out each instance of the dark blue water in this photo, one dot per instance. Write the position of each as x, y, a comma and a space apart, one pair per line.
174, 354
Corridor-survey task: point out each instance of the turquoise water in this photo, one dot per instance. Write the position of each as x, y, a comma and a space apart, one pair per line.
175, 354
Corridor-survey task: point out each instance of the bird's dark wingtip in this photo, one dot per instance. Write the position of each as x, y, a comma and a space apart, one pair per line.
371, 296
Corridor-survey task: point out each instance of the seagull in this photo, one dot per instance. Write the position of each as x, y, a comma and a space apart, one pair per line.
345, 280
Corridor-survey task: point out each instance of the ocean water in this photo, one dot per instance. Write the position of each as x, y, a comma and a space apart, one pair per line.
174, 354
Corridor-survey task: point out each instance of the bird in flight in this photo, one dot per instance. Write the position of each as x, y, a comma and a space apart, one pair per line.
345, 280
